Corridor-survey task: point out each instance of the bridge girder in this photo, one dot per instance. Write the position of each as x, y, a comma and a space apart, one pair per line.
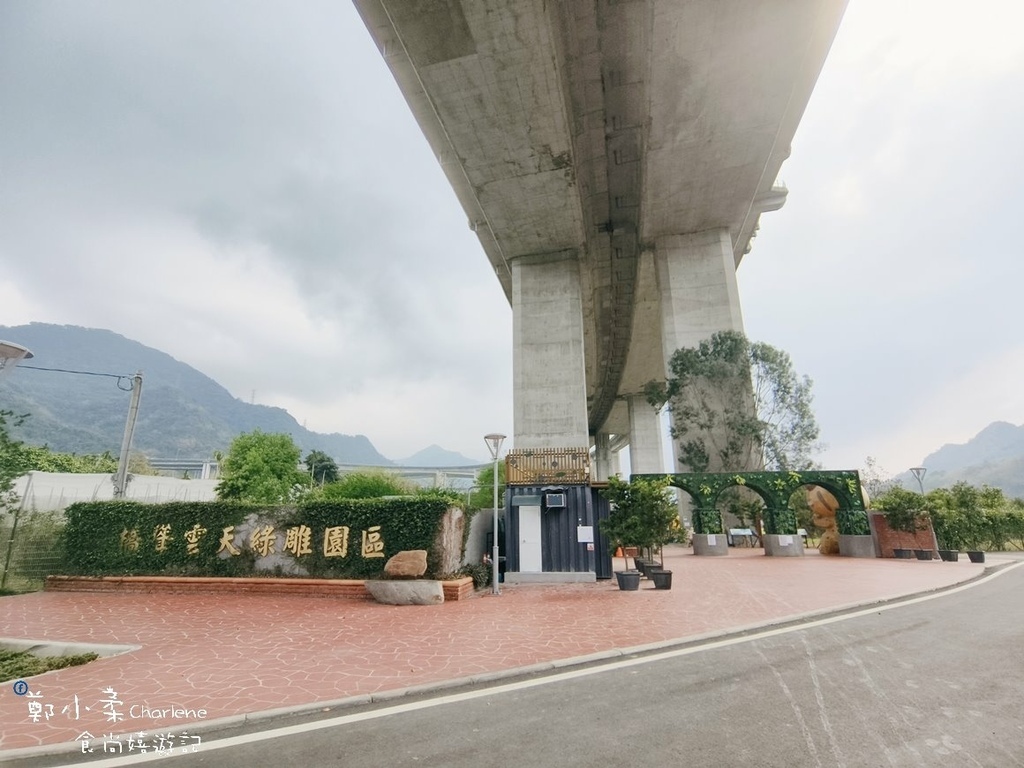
595, 128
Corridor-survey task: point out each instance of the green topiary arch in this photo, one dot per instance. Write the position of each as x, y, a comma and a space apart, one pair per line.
775, 489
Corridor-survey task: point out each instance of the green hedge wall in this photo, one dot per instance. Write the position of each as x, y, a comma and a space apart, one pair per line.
326, 539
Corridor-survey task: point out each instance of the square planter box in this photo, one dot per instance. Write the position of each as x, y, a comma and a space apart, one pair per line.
783, 545
710, 544
856, 546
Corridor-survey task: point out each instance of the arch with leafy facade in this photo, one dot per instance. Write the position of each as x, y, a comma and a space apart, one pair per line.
775, 489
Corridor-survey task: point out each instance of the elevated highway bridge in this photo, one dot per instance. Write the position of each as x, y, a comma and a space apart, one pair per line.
614, 158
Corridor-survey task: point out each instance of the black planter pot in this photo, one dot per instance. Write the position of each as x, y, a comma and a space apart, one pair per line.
647, 567
924, 554
903, 554
629, 581
976, 556
949, 555
662, 579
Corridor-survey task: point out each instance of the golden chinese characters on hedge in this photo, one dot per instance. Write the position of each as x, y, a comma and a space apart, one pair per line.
262, 540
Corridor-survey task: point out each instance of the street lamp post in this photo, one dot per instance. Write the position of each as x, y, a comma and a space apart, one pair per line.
494, 441
919, 473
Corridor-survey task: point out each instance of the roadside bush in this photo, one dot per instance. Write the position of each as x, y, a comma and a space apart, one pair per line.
480, 573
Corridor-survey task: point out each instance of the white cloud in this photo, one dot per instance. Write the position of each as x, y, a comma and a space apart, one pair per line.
15, 307
892, 273
249, 193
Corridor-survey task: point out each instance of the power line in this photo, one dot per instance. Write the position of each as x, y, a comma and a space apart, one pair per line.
118, 376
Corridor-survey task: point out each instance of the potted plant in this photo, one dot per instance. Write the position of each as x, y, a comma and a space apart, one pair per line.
618, 529
642, 515
949, 527
855, 539
977, 533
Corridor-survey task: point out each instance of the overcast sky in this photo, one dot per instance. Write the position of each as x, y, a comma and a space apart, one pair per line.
240, 185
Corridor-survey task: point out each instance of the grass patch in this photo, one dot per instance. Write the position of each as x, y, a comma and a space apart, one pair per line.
15, 665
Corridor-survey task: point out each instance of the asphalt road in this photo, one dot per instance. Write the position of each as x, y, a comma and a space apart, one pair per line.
937, 683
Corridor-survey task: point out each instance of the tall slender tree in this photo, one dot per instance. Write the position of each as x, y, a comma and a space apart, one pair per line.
738, 405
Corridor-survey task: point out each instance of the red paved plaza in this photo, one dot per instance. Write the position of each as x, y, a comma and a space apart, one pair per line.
246, 654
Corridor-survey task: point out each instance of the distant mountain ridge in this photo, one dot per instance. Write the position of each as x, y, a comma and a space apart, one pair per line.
436, 456
183, 412
995, 457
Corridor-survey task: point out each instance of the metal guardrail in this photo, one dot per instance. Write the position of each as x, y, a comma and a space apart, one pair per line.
28, 551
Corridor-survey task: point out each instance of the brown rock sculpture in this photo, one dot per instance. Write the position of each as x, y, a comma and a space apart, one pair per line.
824, 505
410, 564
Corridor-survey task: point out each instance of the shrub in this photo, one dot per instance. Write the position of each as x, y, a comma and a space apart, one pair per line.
373, 484
326, 539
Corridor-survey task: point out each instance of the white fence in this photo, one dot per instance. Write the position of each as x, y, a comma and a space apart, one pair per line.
55, 491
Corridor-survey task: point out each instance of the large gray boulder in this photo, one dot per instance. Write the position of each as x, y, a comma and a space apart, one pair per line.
407, 592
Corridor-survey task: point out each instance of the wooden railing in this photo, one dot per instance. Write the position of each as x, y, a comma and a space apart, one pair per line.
534, 466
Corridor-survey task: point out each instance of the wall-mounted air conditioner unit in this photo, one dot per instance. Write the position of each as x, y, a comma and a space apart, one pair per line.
554, 500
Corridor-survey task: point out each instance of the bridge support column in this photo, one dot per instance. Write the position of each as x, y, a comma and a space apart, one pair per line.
606, 455
697, 283
549, 380
602, 456
645, 456
699, 297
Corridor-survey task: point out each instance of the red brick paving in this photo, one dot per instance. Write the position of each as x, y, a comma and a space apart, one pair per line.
247, 653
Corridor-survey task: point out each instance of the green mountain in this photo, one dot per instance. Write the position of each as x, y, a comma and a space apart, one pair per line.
995, 457
183, 413
436, 456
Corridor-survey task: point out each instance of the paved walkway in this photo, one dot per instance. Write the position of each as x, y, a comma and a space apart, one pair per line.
248, 654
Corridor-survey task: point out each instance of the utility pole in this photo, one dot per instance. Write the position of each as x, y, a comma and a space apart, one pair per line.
121, 477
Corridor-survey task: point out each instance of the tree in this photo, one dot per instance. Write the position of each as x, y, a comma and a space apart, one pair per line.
738, 405
642, 515
13, 459
261, 468
321, 467
875, 480
482, 496
904, 510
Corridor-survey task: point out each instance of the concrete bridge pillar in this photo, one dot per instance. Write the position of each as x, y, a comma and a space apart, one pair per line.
697, 284
606, 455
699, 297
602, 456
645, 456
549, 379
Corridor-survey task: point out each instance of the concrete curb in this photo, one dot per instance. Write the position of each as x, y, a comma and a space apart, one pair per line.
57, 648
391, 695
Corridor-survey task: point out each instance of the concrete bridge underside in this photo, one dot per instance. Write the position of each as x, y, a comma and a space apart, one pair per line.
613, 157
